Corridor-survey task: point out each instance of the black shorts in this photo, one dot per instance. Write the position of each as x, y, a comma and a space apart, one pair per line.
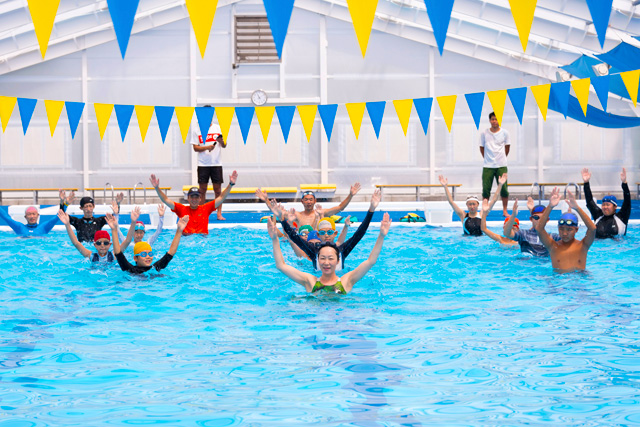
213, 172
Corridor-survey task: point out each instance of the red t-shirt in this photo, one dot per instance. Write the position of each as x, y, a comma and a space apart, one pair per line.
198, 218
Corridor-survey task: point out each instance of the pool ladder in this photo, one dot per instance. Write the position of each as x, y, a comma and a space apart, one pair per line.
576, 193
104, 195
144, 192
540, 195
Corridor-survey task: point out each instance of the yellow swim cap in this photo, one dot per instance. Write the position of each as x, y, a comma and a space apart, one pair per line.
141, 247
331, 222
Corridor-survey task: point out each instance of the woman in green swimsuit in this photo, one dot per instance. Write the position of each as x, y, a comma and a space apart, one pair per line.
327, 262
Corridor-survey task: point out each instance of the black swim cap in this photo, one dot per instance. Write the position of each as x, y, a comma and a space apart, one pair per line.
86, 200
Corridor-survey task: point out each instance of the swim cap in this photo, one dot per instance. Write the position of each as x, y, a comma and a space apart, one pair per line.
141, 247
305, 227
193, 191
473, 199
538, 209
31, 209
313, 235
610, 199
139, 226
329, 221
86, 200
568, 218
516, 223
101, 234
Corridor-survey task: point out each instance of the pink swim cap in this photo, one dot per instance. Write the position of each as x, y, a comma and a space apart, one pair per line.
31, 209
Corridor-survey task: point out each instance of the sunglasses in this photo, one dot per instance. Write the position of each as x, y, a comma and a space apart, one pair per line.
536, 217
568, 222
327, 232
102, 243
145, 254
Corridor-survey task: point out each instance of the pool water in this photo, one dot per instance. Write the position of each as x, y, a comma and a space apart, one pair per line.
444, 330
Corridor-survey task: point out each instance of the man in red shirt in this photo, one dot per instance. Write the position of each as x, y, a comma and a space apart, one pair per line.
198, 214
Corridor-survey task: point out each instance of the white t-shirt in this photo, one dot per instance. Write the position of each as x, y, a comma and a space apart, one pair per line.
494, 148
207, 158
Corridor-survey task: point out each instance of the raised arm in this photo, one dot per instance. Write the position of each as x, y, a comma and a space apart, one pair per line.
347, 247
64, 218
16, 226
299, 277
182, 223
507, 229
342, 206
591, 227
135, 214
154, 237
625, 210
48, 225
155, 182
265, 198
232, 181
343, 233
486, 208
112, 222
594, 209
445, 184
546, 240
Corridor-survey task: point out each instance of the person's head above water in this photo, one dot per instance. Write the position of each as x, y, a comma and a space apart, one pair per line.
609, 205
87, 205
308, 200
193, 196
313, 237
31, 215
143, 254
327, 229
304, 231
102, 242
328, 257
138, 232
568, 226
536, 212
516, 223
472, 204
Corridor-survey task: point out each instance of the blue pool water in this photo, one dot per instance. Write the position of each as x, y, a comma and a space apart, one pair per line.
444, 330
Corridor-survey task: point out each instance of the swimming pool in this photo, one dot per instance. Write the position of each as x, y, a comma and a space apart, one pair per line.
444, 330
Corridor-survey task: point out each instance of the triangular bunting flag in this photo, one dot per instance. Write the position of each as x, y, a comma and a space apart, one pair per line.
328, 116
581, 88
184, 116
7, 103
447, 107
439, 12
164, 116
376, 112
144, 114
403, 110
205, 118
245, 117
498, 99
308, 117
600, 13
630, 79
123, 114
278, 14
601, 86
475, 101
541, 94
74, 114
225, 117
518, 96
285, 117
43, 13
560, 92
103, 113
26, 107
123, 14
201, 13
362, 14
54, 110
265, 117
522, 11
423, 108
356, 112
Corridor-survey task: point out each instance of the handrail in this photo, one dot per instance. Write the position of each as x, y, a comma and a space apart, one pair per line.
577, 193
144, 192
104, 198
540, 195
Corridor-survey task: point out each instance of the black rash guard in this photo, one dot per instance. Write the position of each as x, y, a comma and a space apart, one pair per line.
312, 249
135, 269
86, 227
611, 225
472, 226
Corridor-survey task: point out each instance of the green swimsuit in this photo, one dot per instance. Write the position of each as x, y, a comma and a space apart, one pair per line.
337, 288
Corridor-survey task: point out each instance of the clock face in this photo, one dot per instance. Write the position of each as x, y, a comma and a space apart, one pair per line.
259, 97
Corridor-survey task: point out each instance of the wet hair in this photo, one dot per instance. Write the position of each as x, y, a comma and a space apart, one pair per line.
329, 245
492, 114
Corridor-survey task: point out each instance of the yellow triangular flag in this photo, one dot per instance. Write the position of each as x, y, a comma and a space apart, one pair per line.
581, 88
54, 109
497, 99
522, 11
225, 116
184, 115
356, 113
447, 107
6, 109
265, 117
630, 79
103, 113
403, 110
362, 14
201, 13
308, 116
43, 13
541, 94
144, 114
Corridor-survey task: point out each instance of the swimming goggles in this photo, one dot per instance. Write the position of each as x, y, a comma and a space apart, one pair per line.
327, 232
102, 243
304, 233
146, 254
308, 193
536, 217
569, 222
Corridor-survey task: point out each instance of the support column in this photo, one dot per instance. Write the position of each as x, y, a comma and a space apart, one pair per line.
193, 99
540, 175
85, 124
324, 142
432, 131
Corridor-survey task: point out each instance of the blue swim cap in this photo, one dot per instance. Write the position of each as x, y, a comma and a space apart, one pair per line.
568, 218
538, 209
610, 199
313, 235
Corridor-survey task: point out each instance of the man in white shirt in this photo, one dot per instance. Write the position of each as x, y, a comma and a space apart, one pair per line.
209, 164
494, 147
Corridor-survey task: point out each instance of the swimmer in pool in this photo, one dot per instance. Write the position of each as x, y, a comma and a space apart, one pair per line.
87, 226
471, 222
609, 223
487, 205
328, 258
139, 231
32, 215
568, 254
306, 230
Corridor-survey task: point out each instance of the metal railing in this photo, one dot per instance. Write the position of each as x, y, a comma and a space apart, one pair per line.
144, 192
104, 195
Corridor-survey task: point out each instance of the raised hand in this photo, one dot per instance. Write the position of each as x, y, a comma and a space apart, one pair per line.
272, 229
64, 217
586, 175
291, 215
161, 209
555, 198
233, 177
514, 211
375, 199
63, 196
530, 203
119, 198
262, 195
571, 200
485, 206
503, 179
623, 175
135, 214
111, 220
182, 223
347, 221
354, 189
155, 182
443, 181
385, 224
115, 207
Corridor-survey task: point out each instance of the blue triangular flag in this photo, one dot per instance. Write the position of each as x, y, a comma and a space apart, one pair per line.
600, 13
601, 86
376, 112
164, 116
205, 117
423, 108
74, 113
123, 14
328, 116
279, 14
518, 96
475, 101
560, 92
26, 107
123, 114
439, 12
245, 117
285, 117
